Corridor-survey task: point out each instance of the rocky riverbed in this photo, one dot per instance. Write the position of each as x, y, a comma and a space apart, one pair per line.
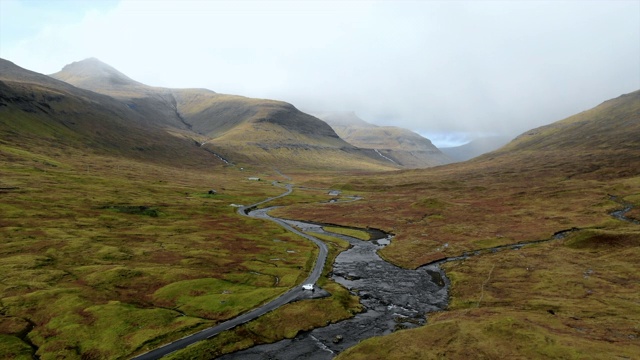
393, 298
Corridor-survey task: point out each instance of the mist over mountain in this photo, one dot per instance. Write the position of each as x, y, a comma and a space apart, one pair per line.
405, 147
475, 147
93, 74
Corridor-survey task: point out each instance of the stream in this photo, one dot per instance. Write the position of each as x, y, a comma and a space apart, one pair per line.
393, 298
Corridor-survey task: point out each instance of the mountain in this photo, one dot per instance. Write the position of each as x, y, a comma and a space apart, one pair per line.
401, 146
238, 128
157, 106
475, 147
612, 126
39, 111
603, 142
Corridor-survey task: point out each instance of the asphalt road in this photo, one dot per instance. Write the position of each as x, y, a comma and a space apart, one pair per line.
259, 311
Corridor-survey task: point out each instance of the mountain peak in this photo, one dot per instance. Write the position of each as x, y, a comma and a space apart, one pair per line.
346, 118
92, 73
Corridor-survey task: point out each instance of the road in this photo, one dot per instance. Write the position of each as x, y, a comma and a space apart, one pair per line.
259, 311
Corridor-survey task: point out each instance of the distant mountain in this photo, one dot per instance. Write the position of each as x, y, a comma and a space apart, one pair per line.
343, 119
239, 128
400, 146
475, 147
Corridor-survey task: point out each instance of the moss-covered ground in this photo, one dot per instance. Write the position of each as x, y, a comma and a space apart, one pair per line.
103, 257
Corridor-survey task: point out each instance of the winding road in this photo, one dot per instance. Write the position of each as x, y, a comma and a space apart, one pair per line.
285, 298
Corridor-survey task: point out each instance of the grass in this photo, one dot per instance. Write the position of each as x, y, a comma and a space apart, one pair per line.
286, 321
358, 234
547, 301
571, 298
124, 278
115, 257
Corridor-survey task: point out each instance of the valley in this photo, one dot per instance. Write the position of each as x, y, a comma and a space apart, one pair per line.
123, 229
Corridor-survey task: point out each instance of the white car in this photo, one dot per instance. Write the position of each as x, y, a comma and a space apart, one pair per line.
307, 287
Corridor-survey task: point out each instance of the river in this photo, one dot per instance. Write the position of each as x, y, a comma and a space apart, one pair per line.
394, 298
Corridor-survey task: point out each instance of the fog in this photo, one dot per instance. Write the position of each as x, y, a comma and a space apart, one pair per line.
448, 70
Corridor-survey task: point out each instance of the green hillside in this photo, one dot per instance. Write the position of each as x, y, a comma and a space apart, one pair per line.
572, 297
41, 113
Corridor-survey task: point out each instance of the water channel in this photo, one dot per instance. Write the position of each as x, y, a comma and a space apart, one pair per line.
393, 298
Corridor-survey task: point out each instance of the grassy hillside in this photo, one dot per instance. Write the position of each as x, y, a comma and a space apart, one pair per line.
566, 298
112, 244
41, 113
613, 125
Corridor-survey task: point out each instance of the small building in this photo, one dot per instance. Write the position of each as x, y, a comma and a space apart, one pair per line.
307, 287
254, 178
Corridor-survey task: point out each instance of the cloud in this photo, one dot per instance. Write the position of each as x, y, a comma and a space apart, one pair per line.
433, 67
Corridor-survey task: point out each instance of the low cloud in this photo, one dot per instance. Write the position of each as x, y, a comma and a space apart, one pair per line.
433, 67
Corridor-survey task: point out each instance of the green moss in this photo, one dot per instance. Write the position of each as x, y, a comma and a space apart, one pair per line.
214, 298
12, 348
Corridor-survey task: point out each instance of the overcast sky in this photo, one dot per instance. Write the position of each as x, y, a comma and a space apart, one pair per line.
444, 69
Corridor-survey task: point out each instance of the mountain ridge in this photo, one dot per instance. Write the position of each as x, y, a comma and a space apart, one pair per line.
41, 112
255, 131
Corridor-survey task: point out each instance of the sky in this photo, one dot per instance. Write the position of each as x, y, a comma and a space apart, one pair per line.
449, 70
